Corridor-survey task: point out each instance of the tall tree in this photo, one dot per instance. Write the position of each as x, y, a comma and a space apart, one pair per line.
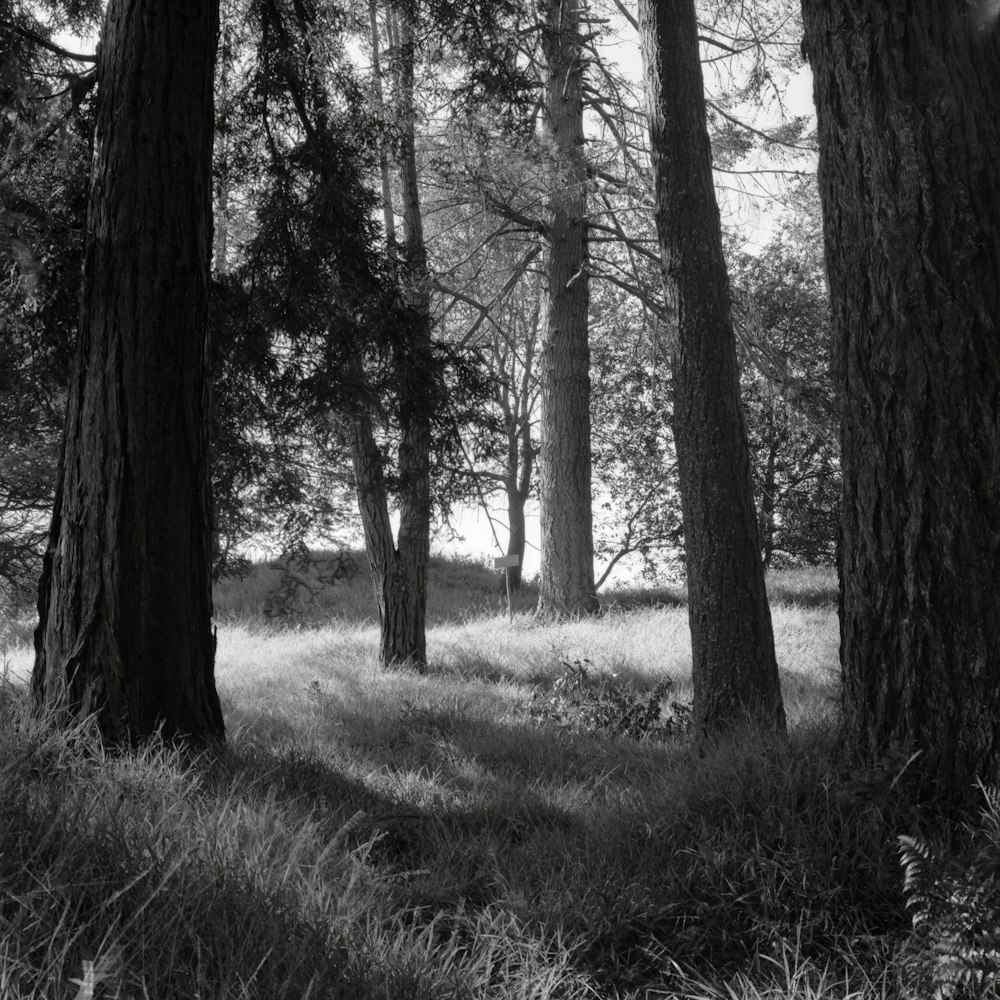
567, 578
125, 602
909, 174
399, 566
734, 671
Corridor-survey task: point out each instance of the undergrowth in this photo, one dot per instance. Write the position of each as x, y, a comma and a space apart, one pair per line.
581, 699
527, 820
954, 897
140, 875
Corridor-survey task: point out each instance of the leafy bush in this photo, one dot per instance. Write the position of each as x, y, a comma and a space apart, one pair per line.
578, 699
955, 899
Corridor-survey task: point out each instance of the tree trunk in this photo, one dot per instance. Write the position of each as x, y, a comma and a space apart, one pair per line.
909, 175
399, 570
125, 601
734, 671
414, 365
517, 537
401, 608
567, 578
383, 159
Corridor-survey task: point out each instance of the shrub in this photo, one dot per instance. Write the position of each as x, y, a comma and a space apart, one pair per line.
955, 898
579, 699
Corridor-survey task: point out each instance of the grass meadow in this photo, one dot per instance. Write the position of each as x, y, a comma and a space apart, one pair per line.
517, 823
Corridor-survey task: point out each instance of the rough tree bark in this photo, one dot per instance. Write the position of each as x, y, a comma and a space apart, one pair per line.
125, 601
909, 175
734, 670
402, 608
567, 536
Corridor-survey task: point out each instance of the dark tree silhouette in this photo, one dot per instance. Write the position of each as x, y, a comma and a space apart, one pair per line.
909, 175
399, 565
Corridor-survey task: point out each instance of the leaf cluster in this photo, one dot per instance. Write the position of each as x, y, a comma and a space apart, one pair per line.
582, 701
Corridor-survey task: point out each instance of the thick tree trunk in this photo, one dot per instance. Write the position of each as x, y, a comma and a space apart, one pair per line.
734, 671
909, 175
567, 578
125, 601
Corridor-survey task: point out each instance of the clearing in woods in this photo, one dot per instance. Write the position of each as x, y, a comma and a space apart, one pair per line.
525, 820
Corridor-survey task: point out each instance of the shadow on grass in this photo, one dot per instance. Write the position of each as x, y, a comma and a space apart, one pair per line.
474, 666
463, 741
419, 802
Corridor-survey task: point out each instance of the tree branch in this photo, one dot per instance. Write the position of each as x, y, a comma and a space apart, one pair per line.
757, 132
44, 43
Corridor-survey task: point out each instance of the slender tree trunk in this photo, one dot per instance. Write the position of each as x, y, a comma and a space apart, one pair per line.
383, 159
909, 175
125, 601
414, 364
401, 609
567, 579
734, 671
516, 358
517, 537
399, 568
516, 525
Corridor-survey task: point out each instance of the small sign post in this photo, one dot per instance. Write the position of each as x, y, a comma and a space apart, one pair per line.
506, 563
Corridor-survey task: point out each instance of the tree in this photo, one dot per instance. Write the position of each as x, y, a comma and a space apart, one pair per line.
125, 601
567, 577
734, 671
782, 313
537, 184
909, 174
636, 502
516, 394
399, 567
348, 315
492, 308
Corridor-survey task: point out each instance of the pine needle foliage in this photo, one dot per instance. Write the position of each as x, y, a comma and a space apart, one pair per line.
954, 896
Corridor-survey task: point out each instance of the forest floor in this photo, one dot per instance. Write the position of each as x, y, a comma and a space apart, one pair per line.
525, 820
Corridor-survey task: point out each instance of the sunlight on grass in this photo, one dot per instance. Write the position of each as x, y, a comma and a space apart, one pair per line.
370, 833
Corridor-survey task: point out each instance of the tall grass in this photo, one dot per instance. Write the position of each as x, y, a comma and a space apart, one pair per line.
382, 834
